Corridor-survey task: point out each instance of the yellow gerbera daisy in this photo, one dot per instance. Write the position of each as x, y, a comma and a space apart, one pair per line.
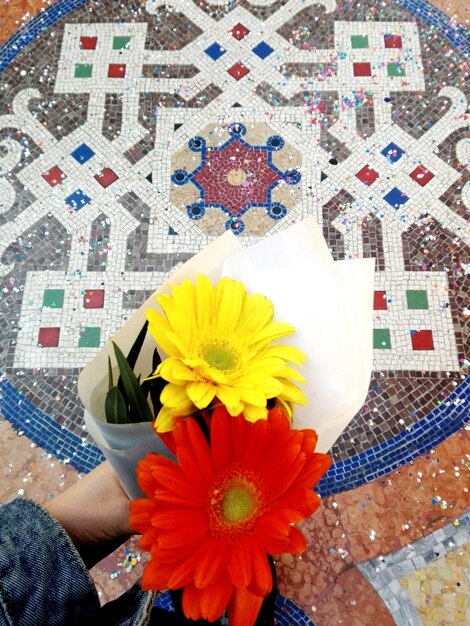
219, 345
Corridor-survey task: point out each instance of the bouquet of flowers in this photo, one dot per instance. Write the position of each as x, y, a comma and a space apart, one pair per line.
208, 405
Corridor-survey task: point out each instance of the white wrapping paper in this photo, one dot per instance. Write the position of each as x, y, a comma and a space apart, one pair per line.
328, 302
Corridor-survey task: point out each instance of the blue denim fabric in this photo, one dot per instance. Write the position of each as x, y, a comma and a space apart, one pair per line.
44, 582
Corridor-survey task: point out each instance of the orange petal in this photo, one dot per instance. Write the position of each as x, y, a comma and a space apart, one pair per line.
244, 608
212, 563
240, 564
208, 603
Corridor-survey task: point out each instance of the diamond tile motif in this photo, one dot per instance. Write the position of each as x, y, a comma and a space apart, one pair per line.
83, 70
367, 175
106, 177
417, 299
396, 198
238, 71
77, 200
392, 152
121, 42
53, 298
421, 175
362, 69
48, 337
116, 70
239, 31
380, 301
54, 176
89, 337
88, 43
395, 69
393, 41
215, 51
422, 339
263, 50
382, 339
93, 299
82, 154
359, 41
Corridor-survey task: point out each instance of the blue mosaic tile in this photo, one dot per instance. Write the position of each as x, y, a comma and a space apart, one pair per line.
286, 612
396, 198
215, 51
82, 154
77, 200
44, 430
263, 50
392, 152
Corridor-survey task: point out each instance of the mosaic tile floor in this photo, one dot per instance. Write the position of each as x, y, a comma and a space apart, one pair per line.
131, 136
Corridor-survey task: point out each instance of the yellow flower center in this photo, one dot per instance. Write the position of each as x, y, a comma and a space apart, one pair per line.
220, 356
238, 505
236, 501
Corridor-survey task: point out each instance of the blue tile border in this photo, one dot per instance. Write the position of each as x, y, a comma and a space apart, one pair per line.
416, 440
455, 33
44, 430
34, 27
441, 423
286, 612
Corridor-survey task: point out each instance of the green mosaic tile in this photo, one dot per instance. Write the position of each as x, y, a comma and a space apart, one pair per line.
382, 339
417, 299
120, 42
359, 41
89, 337
394, 69
83, 70
53, 298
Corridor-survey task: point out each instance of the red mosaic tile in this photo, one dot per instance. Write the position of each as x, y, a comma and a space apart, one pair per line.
367, 175
380, 301
239, 31
88, 43
362, 69
116, 70
54, 176
48, 337
106, 177
422, 340
238, 71
422, 175
93, 299
393, 41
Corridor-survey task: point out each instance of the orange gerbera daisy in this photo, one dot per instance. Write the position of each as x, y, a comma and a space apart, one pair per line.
211, 519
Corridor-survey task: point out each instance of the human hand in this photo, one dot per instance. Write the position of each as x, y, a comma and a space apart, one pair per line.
95, 514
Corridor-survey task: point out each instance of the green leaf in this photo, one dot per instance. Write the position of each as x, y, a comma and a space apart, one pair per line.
138, 405
110, 373
134, 352
154, 386
115, 407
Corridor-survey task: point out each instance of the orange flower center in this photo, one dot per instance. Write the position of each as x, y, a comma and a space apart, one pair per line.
235, 502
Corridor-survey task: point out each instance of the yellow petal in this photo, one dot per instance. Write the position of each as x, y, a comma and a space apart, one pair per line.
173, 395
292, 393
158, 327
201, 393
229, 296
205, 301
228, 396
254, 413
175, 371
288, 353
292, 374
257, 312
274, 330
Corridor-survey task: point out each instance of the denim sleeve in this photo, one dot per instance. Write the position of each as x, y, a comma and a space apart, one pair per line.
43, 581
